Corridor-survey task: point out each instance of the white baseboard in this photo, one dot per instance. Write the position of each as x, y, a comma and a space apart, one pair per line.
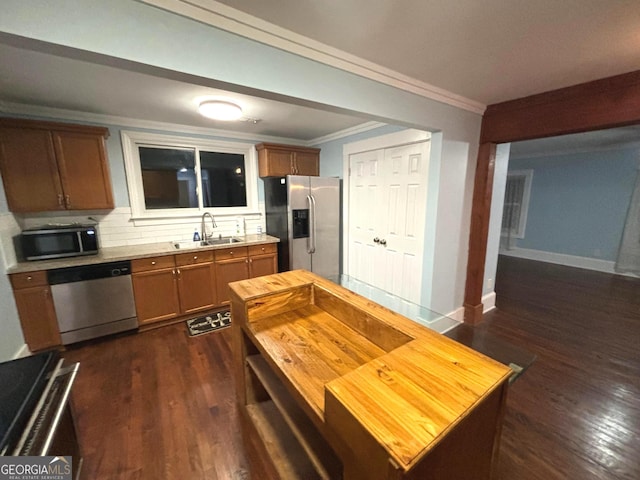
23, 351
488, 304
457, 314
587, 263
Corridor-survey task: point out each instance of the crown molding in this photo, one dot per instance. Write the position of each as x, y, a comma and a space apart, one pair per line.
218, 15
347, 132
75, 115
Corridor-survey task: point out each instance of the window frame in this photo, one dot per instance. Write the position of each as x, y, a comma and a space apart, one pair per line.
131, 140
524, 203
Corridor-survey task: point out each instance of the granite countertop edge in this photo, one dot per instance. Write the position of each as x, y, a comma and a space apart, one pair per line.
130, 252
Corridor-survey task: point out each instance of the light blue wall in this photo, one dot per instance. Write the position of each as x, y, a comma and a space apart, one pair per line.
136, 36
579, 202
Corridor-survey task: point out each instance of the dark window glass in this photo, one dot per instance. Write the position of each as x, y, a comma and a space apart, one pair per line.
223, 179
168, 177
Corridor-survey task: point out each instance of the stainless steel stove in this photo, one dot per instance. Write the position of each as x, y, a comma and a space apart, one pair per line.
35, 413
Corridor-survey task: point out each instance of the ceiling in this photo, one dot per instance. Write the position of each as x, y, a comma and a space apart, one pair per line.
488, 52
35, 78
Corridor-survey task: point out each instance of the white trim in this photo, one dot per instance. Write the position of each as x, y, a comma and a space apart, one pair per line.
457, 314
231, 20
587, 263
142, 216
23, 351
347, 132
488, 302
75, 115
395, 139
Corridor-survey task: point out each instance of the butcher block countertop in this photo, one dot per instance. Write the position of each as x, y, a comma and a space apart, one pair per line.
382, 390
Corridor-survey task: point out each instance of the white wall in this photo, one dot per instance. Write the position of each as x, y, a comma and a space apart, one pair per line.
138, 37
495, 219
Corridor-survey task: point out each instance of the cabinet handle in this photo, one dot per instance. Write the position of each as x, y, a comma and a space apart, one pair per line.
67, 200
178, 272
195, 257
60, 200
29, 278
251, 260
153, 263
174, 272
246, 261
231, 253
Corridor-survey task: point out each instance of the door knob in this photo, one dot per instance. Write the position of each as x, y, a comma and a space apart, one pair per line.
383, 242
376, 240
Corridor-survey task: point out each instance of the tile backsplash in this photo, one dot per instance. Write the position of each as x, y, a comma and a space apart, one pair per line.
116, 228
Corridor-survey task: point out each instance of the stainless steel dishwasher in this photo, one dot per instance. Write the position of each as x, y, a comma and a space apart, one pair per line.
93, 300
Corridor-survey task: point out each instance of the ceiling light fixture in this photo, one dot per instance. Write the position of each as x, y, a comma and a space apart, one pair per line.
220, 110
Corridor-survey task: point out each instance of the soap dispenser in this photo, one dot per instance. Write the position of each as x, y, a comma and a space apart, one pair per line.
196, 236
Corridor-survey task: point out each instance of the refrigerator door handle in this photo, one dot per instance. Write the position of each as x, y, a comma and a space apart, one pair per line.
312, 224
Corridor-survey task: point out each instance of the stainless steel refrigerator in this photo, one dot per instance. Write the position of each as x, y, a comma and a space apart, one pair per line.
304, 213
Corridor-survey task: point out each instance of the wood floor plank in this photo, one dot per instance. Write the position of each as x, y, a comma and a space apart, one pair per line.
162, 405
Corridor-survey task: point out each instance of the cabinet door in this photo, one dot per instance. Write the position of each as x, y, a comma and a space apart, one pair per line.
38, 317
84, 172
275, 163
196, 287
263, 265
29, 170
156, 295
228, 271
307, 163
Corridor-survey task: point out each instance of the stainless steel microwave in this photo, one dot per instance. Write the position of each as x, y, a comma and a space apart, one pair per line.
59, 241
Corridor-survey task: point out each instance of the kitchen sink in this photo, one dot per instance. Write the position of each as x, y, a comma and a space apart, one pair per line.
220, 241
207, 243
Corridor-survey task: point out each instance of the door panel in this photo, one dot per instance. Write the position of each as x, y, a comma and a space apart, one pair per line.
388, 193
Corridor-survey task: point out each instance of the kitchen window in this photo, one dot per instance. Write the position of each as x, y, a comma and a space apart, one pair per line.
174, 177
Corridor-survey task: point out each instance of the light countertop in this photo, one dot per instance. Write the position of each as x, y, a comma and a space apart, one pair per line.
129, 252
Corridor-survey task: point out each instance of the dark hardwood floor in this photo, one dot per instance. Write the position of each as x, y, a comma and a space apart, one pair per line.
575, 414
161, 405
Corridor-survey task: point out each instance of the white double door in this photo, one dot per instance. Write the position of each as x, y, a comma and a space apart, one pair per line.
387, 209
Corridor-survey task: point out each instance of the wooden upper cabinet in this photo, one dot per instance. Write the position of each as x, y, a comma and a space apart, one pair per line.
29, 170
82, 163
275, 160
52, 166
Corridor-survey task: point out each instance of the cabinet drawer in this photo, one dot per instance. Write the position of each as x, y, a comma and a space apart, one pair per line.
262, 249
230, 253
194, 257
28, 279
152, 263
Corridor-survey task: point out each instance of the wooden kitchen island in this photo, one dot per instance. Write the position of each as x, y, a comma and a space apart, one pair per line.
333, 385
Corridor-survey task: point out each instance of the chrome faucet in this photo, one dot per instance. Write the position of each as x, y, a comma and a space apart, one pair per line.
213, 222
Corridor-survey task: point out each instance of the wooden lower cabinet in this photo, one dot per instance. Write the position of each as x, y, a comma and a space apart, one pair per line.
234, 264
196, 282
263, 260
156, 295
36, 311
228, 271
173, 285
